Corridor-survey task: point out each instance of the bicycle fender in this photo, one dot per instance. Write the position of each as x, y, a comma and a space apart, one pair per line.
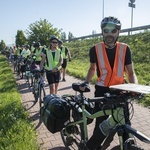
136, 133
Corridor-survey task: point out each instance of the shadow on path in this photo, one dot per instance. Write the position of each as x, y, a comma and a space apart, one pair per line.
65, 88
57, 148
26, 104
34, 118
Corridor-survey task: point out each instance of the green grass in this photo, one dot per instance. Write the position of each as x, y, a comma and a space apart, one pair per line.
16, 132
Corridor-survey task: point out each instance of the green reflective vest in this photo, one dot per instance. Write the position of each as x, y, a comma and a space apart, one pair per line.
51, 62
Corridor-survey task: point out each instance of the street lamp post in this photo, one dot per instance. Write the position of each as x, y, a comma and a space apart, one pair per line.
103, 10
132, 5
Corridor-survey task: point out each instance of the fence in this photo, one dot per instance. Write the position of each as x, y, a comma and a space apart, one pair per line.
128, 30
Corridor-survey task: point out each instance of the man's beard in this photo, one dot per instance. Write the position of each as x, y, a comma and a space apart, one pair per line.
110, 40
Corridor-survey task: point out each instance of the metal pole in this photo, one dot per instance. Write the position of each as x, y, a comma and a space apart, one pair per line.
131, 18
103, 10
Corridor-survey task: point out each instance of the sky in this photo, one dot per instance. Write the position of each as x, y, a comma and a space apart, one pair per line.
80, 17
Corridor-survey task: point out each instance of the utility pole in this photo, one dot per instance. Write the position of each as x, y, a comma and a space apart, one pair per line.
132, 5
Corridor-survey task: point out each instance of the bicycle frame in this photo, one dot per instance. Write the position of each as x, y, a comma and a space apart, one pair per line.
120, 125
86, 115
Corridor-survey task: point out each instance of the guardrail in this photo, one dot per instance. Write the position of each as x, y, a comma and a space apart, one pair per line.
128, 30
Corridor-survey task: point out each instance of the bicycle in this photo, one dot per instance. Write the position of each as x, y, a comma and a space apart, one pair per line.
29, 66
17, 65
75, 135
38, 86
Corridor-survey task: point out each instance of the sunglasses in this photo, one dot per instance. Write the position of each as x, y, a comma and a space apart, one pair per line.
107, 30
54, 42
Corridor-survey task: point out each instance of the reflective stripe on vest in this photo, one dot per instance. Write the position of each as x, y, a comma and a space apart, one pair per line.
52, 61
107, 75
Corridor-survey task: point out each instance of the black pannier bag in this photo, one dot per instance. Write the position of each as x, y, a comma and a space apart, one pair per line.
55, 113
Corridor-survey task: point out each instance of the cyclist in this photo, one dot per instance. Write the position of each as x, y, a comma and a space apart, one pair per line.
26, 52
37, 52
32, 46
15, 53
111, 59
66, 55
53, 60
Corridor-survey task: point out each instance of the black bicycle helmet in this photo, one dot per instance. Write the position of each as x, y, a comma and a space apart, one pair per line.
53, 37
27, 46
37, 44
111, 20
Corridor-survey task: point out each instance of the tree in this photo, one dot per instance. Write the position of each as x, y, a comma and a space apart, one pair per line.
2, 45
70, 36
20, 38
63, 36
40, 31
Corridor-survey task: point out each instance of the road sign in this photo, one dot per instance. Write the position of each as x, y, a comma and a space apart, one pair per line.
132, 1
131, 5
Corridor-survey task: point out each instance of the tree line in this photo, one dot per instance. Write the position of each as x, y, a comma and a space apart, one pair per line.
39, 31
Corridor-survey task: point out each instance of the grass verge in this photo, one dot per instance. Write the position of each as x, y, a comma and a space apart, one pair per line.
16, 132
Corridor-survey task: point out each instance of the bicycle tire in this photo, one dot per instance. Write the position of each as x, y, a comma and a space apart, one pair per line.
131, 147
15, 67
74, 139
35, 89
134, 147
30, 80
18, 69
42, 94
31, 85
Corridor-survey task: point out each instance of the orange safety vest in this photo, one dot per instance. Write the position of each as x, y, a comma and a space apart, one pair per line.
108, 76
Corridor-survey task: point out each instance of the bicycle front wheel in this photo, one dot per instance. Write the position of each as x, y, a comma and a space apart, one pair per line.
42, 94
35, 89
72, 137
133, 147
15, 67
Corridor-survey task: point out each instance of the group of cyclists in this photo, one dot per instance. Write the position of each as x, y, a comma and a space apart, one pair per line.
109, 59
51, 60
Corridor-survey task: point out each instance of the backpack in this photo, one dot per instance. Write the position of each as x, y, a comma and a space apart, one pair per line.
55, 113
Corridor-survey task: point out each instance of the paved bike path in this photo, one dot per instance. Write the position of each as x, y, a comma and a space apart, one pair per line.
49, 141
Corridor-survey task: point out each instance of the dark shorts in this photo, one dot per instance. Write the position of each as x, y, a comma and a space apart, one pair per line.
64, 65
37, 62
53, 77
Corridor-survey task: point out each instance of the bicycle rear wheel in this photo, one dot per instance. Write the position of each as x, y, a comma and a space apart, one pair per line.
72, 137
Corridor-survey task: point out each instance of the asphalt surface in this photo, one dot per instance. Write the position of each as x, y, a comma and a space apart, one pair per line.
49, 141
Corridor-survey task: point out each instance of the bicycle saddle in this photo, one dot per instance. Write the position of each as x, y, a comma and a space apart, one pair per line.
81, 87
